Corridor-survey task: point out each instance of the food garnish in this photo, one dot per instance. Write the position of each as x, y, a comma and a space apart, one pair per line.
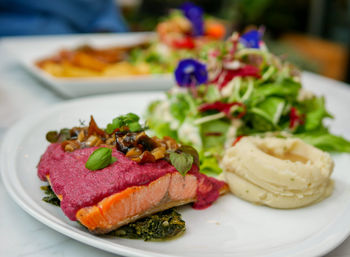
195, 15
181, 161
252, 38
183, 158
127, 135
130, 120
100, 158
239, 88
190, 72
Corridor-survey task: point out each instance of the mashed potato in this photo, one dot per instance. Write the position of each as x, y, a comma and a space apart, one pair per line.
280, 173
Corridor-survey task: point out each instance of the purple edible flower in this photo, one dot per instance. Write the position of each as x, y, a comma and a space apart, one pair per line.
251, 39
195, 14
190, 72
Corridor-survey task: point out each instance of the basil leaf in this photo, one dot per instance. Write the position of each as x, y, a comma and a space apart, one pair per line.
100, 158
181, 161
113, 159
192, 151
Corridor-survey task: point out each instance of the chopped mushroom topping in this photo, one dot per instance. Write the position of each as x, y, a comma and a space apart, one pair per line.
137, 146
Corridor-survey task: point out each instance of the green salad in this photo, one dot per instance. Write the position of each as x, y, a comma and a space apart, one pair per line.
238, 88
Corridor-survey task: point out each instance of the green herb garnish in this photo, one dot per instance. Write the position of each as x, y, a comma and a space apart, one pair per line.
163, 225
183, 159
130, 120
50, 196
190, 150
100, 158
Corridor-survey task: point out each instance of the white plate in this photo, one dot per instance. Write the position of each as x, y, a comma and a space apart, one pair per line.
28, 50
231, 227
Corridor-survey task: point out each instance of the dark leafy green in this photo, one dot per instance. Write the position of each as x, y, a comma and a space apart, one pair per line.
160, 226
50, 196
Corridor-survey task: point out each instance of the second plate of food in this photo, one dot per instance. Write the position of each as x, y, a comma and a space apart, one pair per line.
83, 75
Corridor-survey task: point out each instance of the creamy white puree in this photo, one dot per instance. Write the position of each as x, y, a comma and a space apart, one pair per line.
277, 172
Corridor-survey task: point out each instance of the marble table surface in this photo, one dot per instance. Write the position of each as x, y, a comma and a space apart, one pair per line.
20, 234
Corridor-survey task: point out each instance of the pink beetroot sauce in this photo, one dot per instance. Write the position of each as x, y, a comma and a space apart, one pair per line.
81, 187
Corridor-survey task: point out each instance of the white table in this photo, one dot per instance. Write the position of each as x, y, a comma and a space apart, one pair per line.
20, 234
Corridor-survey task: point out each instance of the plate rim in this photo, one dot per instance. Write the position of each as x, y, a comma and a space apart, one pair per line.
7, 167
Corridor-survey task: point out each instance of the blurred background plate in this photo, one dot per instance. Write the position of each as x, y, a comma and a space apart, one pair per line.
28, 50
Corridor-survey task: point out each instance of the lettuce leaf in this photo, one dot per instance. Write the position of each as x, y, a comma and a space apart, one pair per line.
315, 111
214, 132
271, 109
162, 129
212, 94
209, 165
325, 141
287, 89
182, 105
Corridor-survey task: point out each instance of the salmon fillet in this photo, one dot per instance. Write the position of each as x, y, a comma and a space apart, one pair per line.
137, 202
124, 191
